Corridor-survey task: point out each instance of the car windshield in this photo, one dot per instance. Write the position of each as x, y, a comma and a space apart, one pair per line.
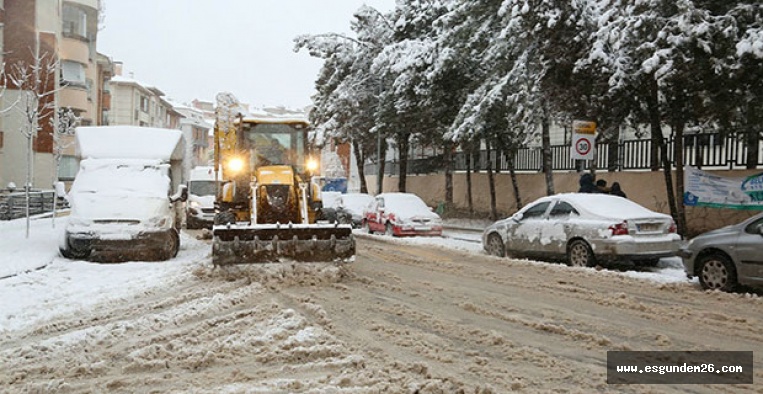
112, 178
202, 188
407, 202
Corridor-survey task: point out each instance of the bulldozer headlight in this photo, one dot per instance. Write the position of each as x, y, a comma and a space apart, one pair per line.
312, 165
235, 165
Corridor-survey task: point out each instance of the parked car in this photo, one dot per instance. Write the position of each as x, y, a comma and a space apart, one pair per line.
329, 200
399, 214
350, 207
727, 257
584, 230
200, 207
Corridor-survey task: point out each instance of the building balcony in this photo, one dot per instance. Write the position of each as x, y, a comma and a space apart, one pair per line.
75, 98
75, 50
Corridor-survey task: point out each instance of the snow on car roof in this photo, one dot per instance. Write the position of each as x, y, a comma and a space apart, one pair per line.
405, 204
608, 206
129, 142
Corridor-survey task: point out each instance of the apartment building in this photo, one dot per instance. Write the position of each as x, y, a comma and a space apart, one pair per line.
196, 130
62, 33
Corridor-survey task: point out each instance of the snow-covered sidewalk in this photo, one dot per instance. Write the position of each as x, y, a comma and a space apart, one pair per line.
38, 284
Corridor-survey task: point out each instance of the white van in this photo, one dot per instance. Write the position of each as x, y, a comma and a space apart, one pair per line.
125, 198
200, 207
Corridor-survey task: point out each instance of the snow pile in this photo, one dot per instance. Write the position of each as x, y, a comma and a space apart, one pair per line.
108, 142
20, 254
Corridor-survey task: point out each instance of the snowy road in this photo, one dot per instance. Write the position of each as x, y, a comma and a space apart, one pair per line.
403, 317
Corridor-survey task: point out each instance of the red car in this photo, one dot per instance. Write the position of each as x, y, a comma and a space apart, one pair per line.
399, 214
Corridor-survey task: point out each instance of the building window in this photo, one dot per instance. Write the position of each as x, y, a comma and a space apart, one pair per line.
73, 73
67, 168
144, 104
1, 140
75, 22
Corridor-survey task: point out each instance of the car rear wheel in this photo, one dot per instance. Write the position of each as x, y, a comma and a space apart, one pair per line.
717, 272
579, 254
495, 246
389, 230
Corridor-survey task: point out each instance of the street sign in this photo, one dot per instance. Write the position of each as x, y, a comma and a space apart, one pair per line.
584, 127
583, 140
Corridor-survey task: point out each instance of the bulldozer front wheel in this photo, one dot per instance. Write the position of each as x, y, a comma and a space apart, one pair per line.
223, 218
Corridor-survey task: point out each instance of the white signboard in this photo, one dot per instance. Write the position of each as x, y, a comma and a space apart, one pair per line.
583, 140
703, 189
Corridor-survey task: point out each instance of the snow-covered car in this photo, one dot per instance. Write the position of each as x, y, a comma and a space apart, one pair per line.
727, 257
330, 201
122, 200
584, 230
350, 208
399, 214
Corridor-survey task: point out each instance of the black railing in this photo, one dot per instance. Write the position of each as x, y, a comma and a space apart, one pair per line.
713, 151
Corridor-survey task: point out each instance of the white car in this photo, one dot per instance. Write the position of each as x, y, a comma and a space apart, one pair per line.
584, 230
350, 208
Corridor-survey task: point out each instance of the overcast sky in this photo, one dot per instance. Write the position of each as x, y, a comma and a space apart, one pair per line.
195, 48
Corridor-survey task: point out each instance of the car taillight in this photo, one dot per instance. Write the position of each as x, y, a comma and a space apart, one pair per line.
672, 229
619, 228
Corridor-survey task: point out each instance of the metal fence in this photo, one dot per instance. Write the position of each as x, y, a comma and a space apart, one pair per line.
700, 150
13, 204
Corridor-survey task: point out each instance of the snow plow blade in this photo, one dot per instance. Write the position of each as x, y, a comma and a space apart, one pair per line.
264, 243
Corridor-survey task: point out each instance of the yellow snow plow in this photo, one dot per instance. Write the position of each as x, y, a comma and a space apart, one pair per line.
267, 207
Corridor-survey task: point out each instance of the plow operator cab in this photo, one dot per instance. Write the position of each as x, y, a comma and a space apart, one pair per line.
267, 207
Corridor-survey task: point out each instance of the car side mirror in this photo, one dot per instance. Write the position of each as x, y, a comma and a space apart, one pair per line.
181, 195
517, 217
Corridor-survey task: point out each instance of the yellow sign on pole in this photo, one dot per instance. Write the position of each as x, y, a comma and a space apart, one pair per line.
584, 127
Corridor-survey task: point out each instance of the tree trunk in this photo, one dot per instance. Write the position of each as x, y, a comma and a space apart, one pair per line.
678, 153
469, 201
514, 183
380, 164
491, 181
547, 158
662, 149
448, 164
360, 161
402, 143
613, 158
753, 144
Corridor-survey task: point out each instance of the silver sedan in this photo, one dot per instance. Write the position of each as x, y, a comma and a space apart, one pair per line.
727, 257
584, 230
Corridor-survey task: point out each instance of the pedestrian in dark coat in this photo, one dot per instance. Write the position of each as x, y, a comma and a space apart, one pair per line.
587, 185
601, 184
616, 190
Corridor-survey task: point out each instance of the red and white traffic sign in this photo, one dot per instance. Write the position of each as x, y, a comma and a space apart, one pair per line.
583, 138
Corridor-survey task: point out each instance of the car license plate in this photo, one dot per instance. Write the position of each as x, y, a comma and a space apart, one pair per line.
116, 237
422, 228
649, 227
